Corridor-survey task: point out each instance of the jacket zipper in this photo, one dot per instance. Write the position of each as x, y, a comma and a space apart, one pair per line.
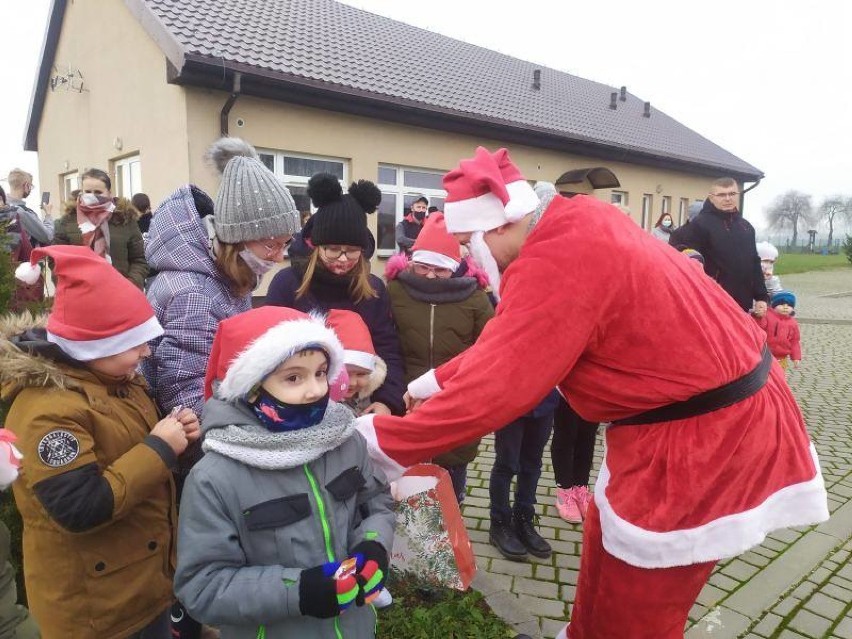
431, 335
326, 531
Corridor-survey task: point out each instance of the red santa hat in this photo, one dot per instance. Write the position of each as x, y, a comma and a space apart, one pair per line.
485, 192
251, 345
353, 333
97, 312
435, 246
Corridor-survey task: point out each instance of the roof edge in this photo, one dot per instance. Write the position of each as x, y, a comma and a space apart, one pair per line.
158, 32
48, 54
205, 72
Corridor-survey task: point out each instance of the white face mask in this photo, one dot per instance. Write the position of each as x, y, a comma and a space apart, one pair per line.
667, 223
258, 266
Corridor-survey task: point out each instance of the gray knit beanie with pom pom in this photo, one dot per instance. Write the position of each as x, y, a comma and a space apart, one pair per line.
252, 203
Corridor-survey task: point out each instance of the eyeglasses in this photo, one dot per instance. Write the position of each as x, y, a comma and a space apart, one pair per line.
425, 269
271, 245
725, 196
334, 252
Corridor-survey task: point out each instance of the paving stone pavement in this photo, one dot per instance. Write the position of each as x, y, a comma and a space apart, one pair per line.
796, 585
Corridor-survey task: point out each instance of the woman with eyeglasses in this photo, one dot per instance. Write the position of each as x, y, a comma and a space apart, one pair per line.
330, 269
440, 307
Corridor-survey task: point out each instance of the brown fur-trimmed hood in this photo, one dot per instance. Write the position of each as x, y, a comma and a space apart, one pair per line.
26, 358
124, 212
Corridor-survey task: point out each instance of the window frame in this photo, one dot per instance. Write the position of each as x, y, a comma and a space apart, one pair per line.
622, 196
64, 183
118, 175
647, 209
400, 190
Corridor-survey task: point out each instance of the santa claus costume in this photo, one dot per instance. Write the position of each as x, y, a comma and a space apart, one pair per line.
707, 452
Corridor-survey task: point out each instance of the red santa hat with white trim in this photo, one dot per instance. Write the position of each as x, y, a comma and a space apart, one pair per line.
358, 349
249, 346
435, 246
97, 312
485, 192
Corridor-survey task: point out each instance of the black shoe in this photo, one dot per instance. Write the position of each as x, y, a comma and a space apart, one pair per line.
529, 537
503, 537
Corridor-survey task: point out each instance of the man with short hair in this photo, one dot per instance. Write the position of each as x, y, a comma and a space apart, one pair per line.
20, 187
706, 451
408, 230
726, 241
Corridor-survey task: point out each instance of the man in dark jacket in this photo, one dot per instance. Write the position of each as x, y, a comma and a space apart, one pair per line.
727, 242
408, 230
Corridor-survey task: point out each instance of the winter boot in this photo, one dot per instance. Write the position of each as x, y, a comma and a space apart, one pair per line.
529, 537
503, 537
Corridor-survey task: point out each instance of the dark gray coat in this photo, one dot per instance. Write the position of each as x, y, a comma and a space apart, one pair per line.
240, 553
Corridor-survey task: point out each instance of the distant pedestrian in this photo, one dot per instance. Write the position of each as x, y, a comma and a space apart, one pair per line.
782, 329
142, 204
663, 228
411, 225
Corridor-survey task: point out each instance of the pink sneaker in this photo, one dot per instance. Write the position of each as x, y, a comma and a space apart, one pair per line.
583, 497
567, 505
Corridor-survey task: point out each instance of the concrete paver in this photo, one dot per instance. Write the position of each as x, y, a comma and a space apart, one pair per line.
798, 583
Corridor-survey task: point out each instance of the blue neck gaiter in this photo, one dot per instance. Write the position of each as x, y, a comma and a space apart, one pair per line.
278, 417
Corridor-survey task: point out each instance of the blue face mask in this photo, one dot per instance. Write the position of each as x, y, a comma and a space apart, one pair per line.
278, 417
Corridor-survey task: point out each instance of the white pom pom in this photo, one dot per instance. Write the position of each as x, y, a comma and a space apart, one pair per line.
28, 273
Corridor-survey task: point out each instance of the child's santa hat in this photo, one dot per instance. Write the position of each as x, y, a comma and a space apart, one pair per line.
358, 345
97, 312
767, 251
435, 246
251, 345
485, 192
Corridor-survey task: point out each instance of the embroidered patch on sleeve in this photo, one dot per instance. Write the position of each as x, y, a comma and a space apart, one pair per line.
58, 448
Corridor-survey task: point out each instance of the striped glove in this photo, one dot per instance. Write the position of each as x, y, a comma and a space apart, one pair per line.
372, 569
323, 596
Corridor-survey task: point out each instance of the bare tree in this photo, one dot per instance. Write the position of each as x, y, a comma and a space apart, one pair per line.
829, 210
788, 210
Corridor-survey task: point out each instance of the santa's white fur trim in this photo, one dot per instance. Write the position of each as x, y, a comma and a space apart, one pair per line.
563, 634
28, 273
377, 377
425, 386
801, 504
388, 466
269, 350
481, 254
433, 258
487, 211
87, 350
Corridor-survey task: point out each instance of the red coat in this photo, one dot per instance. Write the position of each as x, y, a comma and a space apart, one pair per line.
782, 335
623, 323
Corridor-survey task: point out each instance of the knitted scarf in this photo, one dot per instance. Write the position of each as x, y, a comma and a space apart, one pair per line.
253, 445
437, 291
93, 220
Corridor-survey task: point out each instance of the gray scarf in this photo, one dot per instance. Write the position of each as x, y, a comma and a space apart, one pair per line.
437, 291
251, 444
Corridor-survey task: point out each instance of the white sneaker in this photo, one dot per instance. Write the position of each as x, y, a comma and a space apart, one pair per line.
383, 599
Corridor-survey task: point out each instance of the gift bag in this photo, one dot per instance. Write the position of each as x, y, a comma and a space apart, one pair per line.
431, 541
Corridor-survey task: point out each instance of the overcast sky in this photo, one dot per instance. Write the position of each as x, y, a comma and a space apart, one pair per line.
769, 80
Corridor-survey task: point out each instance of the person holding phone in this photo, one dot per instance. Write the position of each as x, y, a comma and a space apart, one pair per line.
20, 186
105, 224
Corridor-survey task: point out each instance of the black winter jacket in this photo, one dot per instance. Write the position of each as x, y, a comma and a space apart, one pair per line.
727, 242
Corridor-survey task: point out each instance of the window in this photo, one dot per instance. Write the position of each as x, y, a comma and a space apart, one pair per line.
70, 183
295, 171
647, 207
682, 210
667, 204
619, 198
128, 176
400, 186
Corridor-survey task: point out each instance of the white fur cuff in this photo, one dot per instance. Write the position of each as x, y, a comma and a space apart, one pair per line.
424, 386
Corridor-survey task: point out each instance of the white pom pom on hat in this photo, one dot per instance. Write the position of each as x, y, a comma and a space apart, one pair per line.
28, 273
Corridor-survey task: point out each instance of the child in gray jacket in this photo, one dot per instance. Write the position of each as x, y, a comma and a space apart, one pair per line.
285, 525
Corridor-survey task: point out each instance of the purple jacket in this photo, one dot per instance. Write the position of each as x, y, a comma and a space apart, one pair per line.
189, 296
326, 294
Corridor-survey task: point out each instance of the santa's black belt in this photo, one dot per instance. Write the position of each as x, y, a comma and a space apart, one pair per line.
708, 401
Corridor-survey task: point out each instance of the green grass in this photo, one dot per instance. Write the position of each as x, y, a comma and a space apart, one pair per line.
788, 263
426, 612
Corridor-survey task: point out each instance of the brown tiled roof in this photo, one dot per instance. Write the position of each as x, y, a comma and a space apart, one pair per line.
335, 49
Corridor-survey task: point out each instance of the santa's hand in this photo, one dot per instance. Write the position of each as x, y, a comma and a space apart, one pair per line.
377, 408
390, 467
411, 403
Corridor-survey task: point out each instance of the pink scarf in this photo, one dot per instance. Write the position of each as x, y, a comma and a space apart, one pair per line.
93, 215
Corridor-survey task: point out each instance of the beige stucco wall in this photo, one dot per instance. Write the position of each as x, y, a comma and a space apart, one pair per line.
126, 96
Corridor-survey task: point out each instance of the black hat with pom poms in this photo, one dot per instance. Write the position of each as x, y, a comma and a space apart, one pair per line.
341, 219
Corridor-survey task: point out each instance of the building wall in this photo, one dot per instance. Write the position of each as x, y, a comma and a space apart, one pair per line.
125, 98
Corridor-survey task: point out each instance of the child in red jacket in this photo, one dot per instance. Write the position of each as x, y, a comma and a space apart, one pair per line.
782, 329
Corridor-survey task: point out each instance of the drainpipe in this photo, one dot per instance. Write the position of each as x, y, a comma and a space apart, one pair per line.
229, 103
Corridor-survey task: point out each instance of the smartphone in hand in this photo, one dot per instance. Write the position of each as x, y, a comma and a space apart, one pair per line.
45, 198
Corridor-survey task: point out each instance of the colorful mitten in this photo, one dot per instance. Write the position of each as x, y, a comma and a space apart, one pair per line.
322, 595
372, 565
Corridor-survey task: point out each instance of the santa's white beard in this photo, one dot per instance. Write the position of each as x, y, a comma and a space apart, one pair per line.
482, 255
